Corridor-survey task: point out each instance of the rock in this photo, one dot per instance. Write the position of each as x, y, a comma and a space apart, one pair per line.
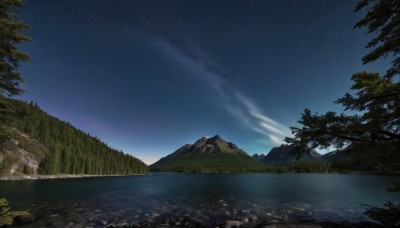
292, 225
122, 224
103, 222
245, 220
253, 218
223, 203
219, 222
71, 224
232, 224
134, 224
23, 219
246, 211
54, 215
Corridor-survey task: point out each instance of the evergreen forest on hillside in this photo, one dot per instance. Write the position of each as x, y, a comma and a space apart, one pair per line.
67, 149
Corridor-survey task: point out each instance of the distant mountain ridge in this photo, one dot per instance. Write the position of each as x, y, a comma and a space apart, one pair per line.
258, 157
335, 156
207, 155
281, 156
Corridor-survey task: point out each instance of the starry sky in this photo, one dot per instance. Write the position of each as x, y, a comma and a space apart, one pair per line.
149, 76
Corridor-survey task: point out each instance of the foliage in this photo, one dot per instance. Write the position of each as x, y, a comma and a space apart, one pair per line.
7, 216
378, 102
373, 133
209, 163
223, 164
375, 128
383, 19
10, 57
6, 163
387, 216
68, 150
28, 170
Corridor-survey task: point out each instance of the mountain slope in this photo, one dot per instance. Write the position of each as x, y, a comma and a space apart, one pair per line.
258, 157
208, 155
37, 143
281, 155
335, 156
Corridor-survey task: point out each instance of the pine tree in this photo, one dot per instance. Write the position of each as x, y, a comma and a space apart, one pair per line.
10, 56
375, 128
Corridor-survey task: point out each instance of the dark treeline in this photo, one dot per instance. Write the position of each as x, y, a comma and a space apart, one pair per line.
295, 167
69, 150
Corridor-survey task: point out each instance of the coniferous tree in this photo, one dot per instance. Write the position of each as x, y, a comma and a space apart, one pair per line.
69, 150
375, 129
10, 56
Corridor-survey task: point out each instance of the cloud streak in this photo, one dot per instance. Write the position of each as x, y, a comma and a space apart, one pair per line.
235, 102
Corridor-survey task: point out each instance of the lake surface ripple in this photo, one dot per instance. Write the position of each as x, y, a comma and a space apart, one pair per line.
176, 199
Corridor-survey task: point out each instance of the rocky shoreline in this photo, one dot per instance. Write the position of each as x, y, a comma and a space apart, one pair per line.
120, 210
188, 222
58, 176
214, 223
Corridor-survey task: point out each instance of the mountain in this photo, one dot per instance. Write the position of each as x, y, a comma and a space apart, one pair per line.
281, 155
258, 157
208, 155
335, 156
33, 142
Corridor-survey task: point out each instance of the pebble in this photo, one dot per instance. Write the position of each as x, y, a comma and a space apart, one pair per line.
253, 218
71, 224
196, 212
232, 224
122, 224
23, 219
246, 211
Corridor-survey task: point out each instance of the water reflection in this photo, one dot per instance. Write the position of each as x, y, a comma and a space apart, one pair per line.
207, 198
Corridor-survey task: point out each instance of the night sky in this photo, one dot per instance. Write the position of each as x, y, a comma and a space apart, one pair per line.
147, 77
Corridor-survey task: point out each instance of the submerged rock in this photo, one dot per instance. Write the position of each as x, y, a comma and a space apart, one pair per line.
24, 219
292, 225
232, 224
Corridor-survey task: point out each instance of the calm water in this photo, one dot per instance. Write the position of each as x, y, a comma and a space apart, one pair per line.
250, 198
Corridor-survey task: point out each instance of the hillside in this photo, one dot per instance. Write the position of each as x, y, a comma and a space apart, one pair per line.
281, 155
336, 156
208, 155
33, 142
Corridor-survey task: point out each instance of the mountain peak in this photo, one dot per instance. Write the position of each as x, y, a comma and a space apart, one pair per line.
212, 154
216, 138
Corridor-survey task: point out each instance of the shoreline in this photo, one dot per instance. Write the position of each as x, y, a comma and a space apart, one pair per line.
70, 176
60, 176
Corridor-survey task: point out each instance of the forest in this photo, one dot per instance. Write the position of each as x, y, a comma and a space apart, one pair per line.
67, 149
294, 167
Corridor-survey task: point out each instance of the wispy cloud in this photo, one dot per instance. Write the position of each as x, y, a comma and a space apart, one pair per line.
235, 102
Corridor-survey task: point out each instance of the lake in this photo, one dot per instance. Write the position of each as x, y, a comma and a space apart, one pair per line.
164, 198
